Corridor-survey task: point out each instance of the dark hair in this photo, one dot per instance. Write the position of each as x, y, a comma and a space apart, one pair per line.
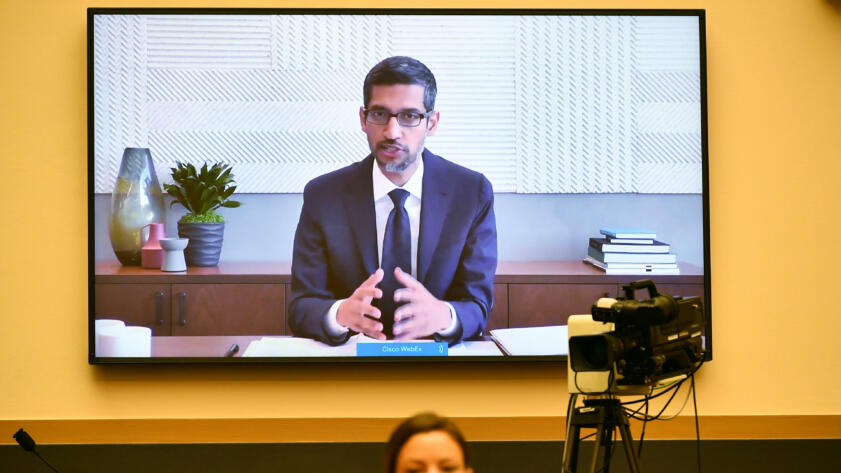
401, 70
418, 424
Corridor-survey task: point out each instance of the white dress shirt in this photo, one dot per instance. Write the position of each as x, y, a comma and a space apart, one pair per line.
383, 206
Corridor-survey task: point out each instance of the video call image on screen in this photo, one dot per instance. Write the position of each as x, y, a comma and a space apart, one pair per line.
591, 129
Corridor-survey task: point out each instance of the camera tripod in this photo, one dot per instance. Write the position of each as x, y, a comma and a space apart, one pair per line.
604, 415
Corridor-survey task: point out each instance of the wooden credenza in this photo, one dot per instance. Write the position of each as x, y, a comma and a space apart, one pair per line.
249, 298
245, 298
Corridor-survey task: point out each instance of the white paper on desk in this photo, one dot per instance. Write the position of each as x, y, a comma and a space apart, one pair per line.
302, 347
480, 348
294, 346
548, 340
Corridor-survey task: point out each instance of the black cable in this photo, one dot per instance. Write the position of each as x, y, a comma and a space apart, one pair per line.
588, 436
677, 384
568, 427
610, 379
649, 396
28, 443
575, 381
644, 400
642, 435
697, 429
45, 461
633, 415
668, 403
570, 404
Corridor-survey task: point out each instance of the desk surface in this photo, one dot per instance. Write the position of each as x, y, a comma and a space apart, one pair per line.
200, 346
278, 272
217, 346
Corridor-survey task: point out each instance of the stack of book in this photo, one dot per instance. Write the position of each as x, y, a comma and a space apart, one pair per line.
631, 251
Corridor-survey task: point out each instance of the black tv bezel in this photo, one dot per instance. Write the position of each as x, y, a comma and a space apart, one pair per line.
93, 11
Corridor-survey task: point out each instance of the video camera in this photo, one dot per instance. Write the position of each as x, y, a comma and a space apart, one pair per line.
627, 346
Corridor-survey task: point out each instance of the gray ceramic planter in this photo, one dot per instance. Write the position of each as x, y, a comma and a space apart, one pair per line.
205, 244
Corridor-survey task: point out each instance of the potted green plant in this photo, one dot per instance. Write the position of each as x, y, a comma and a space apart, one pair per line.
201, 192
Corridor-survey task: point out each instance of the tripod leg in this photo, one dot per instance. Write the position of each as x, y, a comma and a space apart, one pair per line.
599, 438
630, 454
571, 449
608, 447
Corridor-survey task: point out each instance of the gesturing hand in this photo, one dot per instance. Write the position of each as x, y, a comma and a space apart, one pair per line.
422, 315
354, 310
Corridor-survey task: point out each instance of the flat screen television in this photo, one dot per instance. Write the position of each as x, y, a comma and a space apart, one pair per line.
586, 123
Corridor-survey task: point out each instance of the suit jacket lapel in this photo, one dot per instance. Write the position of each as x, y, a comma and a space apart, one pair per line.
434, 208
359, 205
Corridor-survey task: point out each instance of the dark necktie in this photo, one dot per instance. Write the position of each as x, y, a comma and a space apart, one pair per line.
397, 252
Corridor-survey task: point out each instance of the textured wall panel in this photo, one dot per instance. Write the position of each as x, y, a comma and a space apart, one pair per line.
667, 163
253, 116
667, 44
652, 148
274, 177
120, 100
538, 104
190, 85
574, 104
290, 159
209, 42
655, 117
347, 46
667, 140
669, 178
255, 147
667, 87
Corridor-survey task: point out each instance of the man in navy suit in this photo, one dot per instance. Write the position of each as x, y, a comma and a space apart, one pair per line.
403, 200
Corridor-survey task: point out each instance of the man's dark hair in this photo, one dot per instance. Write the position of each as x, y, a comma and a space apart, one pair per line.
401, 70
418, 424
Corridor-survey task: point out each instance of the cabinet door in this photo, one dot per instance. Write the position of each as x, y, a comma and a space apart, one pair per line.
228, 309
532, 305
499, 315
135, 304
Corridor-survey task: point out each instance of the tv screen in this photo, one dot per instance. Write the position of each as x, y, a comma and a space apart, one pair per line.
256, 176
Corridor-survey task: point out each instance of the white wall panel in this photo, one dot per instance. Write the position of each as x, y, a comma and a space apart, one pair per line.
551, 104
120, 101
574, 104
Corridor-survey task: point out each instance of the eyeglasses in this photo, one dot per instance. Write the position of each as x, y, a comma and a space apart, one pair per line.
408, 118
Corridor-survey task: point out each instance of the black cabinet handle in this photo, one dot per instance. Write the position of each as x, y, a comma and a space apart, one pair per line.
182, 301
159, 300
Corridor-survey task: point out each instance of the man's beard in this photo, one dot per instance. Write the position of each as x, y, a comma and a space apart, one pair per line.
400, 166
397, 166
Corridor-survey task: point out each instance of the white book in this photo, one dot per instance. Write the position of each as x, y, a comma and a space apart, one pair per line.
603, 245
627, 232
631, 257
634, 268
631, 241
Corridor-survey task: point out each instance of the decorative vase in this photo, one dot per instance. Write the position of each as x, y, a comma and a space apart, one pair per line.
151, 253
205, 244
173, 254
137, 201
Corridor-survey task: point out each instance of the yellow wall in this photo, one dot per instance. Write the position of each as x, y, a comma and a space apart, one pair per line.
775, 161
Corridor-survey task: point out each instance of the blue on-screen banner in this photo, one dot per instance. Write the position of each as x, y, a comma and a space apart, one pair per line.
401, 349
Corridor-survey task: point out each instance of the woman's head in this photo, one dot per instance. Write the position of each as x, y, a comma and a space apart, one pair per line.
426, 443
